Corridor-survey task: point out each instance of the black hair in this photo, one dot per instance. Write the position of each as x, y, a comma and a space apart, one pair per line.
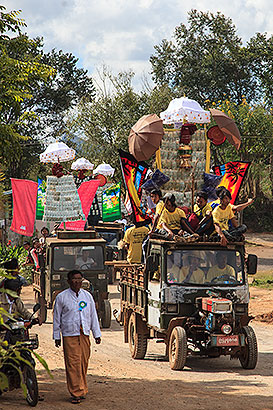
157, 192
26, 243
44, 227
35, 240
202, 194
222, 191
73, 272
11, 265
169, 197
13, 284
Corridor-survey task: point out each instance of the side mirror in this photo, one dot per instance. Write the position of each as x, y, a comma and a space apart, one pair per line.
36, 307
251, 264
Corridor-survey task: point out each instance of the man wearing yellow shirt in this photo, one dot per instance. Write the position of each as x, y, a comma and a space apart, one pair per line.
134, 237
221, 269
156, 197
172, 218
224, 213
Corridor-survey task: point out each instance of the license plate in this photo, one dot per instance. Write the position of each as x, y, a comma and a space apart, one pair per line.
229, 340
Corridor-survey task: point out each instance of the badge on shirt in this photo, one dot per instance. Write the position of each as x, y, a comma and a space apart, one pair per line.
82, 305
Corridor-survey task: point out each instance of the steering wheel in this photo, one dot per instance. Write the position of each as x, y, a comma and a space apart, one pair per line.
224, 278
86, 266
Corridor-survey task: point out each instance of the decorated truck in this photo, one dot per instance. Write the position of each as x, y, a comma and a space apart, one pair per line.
194, 298
70, 250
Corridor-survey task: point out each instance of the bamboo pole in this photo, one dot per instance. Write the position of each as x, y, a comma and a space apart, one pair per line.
207, 167
158, 159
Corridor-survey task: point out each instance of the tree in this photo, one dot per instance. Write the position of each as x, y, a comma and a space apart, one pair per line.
37, 90
102, 125
206, 60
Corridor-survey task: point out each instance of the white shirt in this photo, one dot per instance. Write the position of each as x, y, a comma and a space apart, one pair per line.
72, 311
81, 264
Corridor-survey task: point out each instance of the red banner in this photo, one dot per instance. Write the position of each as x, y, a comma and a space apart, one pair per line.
233, 175
24, 196
86, 191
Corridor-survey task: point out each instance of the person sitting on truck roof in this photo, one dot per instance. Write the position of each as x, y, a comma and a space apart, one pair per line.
156, 197
133, 238
221, 268
202, 212
173, 219
85, 261
221, 217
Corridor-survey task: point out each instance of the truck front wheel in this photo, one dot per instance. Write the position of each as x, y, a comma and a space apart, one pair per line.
106, 314
178, 348
137, 341
249, 356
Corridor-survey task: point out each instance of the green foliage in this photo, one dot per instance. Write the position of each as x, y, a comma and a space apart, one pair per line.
206, 59
265, 282
7, 252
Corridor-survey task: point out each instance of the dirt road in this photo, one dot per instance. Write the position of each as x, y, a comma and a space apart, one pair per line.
118, 382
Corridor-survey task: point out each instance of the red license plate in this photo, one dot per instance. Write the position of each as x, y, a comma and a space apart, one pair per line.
229, 340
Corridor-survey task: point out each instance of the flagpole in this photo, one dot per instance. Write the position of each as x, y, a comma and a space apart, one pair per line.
158, 159
207, 166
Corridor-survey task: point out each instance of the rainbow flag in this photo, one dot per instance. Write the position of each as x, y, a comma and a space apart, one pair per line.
134, 174
234, 173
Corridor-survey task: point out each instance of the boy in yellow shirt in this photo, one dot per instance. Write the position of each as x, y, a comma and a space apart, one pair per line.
222, 214
134, 237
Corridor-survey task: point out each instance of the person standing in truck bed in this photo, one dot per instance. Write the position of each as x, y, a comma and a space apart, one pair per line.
133, 238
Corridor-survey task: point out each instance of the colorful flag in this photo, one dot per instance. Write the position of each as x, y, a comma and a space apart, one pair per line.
134, 174
24, 196
86, 191
234, 174
41, 196
111, 203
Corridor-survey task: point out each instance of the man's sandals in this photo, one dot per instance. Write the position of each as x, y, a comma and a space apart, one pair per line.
76, 400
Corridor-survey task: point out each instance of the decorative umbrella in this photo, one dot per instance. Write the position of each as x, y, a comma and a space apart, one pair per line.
82, 163
145, 137
184, 109
57, 152
227, 126
104, 169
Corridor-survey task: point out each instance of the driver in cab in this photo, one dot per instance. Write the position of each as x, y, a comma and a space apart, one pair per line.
84, 261
221, 268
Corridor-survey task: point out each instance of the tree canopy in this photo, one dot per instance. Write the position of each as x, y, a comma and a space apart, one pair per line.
206, 59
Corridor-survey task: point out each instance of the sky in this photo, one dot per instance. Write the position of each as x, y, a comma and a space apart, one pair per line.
122, 33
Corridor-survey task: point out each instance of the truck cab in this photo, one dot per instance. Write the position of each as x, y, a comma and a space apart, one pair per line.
70, 250
193, 297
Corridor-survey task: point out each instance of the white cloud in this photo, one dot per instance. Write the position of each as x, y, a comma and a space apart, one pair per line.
122, 33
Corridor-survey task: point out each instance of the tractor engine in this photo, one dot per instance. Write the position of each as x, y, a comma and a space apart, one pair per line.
216, 315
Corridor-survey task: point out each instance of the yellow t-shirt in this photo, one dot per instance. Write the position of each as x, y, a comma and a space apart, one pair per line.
196, 277
215, 271
201, 212
172, 219
158, 211
222, 216
134, 237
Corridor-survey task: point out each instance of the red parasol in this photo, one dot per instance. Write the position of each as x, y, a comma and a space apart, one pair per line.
227, 126
145, 137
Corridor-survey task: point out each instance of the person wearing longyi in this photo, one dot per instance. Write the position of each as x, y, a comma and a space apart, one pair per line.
74, 316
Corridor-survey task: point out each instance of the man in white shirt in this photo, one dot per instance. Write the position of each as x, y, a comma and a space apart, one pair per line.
74, 316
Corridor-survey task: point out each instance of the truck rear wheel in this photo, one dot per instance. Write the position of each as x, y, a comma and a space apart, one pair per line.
137, 341
178, 348
249, 355
106, 314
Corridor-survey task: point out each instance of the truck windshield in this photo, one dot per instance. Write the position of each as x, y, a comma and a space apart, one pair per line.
205, 267
84, 258
110, 237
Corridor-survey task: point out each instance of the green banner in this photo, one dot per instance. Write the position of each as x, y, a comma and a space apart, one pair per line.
40, 207
111, 203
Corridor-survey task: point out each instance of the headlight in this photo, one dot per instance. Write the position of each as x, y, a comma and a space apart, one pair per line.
101, 276
226, 329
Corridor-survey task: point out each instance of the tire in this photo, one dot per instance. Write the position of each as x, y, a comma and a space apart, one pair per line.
178, 348
106, 314
137, 341
31, 383
249, 355
43, 310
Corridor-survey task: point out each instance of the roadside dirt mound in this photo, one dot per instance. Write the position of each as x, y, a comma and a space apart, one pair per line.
265, 317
